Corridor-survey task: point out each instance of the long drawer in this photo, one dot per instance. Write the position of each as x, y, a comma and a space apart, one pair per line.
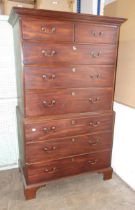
96, 33
63, 101
41, 172
57, 128
76, 76
48, 30
37, 53
53, 149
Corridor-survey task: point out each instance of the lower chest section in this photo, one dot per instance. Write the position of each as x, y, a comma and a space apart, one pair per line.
57, 148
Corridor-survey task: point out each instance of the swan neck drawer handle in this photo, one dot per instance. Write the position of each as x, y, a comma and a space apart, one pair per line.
95, 54
46, 149
94, 124
97, 76
96, 34
94, 100
52, 170
49, 103
95, 142
49, 77
47, 53
51, 129
92, 162
46, 30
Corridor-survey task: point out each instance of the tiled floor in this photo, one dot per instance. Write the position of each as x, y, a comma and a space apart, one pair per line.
83, 192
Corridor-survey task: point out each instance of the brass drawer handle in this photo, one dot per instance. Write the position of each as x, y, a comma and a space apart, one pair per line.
95, 54
52, 170
74, 48
73, 122
94, 124
47, 53
49, 103
47, 30
72, 159
95, 142
49, 77
101, 33
51, 129
94, 100
97, 76
96, 34
46, 149
92, 162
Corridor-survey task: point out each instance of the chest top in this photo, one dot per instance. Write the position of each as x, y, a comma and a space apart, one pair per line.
25, 13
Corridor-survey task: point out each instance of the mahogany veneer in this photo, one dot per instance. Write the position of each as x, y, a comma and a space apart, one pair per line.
65, 70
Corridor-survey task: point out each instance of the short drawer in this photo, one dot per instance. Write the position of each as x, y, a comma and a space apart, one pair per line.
53, 149
41, 172
57, 128
48, 30
64, 101
89, 33
37, 53
76, 76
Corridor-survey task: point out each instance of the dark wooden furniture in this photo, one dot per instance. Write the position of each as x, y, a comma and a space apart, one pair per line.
65, 81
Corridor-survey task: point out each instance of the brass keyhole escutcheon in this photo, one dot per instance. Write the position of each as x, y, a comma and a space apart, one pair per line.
74, 48
73, 93
73, 69
73, 122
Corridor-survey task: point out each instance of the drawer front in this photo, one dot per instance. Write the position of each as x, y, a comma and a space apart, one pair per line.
63, 101
48, 30
87, 33
68, 76
50, 129
68, 166
63, 147
37, 53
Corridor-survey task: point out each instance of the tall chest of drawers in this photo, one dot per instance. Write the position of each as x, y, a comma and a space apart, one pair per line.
65, 70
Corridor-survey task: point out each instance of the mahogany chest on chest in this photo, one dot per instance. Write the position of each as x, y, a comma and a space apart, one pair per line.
65, 70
